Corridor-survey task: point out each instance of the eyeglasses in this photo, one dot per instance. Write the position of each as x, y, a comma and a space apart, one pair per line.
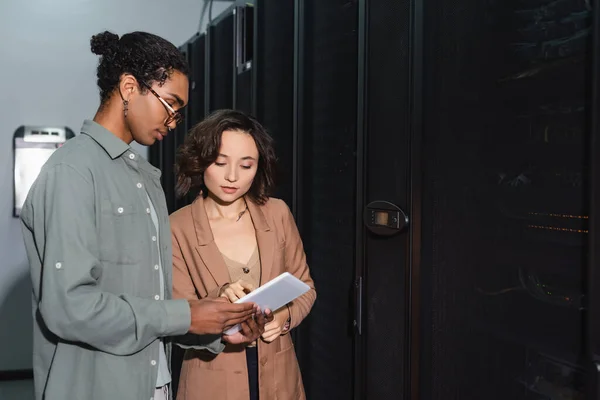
173, 115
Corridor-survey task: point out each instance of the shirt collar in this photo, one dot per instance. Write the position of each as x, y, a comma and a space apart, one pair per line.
114, 146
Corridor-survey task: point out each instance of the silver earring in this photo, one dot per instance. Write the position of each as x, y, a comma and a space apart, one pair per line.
125, 107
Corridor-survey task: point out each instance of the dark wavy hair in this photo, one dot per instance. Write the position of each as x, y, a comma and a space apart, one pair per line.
201, 148
149, 58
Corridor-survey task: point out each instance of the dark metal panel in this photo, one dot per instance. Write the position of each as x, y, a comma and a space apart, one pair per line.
243, 91
504, 199
593, 285
298, 116
388, 179
326, 132
208, 73
415, 318
360, 311
273, 70
234, 50
258, 20
222, 51
244, 59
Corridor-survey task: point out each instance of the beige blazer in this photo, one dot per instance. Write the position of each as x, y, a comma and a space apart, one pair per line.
199, 271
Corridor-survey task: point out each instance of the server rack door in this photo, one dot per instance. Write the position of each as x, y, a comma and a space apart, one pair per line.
387, 139
593, 322
505, 213
273, 67
327, 87
221, 59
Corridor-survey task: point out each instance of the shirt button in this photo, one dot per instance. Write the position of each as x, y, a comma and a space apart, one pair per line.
120, 210
157, 297
139, 185
156, 267
147, 211
154, 238
132, 156
153, 362
58, 265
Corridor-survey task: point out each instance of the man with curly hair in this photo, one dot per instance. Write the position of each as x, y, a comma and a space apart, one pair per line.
97, 235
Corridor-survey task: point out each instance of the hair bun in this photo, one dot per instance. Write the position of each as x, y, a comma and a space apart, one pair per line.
104, 44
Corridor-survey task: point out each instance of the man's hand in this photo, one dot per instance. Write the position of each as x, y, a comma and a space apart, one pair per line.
274, 329
251, 329
213, 316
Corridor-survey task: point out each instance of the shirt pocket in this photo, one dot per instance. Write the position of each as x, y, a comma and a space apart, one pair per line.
121, 233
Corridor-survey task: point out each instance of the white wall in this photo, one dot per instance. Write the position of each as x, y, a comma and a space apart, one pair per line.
47, 77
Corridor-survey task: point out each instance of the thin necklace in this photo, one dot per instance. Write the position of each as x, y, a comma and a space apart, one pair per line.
240, 215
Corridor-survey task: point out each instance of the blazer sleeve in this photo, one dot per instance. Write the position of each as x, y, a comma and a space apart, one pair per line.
295, 264
183, 288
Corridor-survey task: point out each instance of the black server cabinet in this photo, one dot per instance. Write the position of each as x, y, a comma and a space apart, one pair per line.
476, 123
505, 183
273, 72
325, 166
593, 283
243, 79
593, 332
231, 52
384, 130
221, 60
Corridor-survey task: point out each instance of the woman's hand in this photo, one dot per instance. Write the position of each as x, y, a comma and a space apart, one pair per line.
275, 328
236, 290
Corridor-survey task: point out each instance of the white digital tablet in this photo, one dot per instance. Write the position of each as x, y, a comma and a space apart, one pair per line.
273, 295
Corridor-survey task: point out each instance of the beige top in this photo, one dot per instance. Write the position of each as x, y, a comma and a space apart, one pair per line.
249, 272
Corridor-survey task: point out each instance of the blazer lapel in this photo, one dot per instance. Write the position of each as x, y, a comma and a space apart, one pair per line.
266, 240
206, 248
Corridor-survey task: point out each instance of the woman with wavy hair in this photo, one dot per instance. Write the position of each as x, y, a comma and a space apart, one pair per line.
229, 241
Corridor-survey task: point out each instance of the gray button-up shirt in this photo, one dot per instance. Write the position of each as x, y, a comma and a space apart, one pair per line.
97, 308
164, 375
